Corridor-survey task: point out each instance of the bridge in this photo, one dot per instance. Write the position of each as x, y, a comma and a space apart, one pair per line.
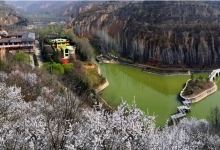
214, 74
186, 102
181, 112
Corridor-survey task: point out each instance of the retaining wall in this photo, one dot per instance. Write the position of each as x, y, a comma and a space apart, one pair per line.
103, 86
200, 96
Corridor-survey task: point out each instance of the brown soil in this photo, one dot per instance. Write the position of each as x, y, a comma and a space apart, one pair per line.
198, 87
88, 66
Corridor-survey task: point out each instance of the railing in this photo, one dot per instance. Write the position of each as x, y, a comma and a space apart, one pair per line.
186, 103
181, 111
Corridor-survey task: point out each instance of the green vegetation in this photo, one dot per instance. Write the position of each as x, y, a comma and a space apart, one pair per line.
21, 57
67, 67
92, 75
45, 54
53, 30
192, 76
80, 77
214, 118
57, 68
35, 60
84, 49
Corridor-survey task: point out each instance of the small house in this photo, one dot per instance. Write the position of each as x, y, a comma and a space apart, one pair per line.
57, 43
68, 51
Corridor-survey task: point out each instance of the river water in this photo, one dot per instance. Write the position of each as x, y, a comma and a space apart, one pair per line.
154, 94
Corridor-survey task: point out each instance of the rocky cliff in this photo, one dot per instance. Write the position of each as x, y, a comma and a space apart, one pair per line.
157, 33
8, 16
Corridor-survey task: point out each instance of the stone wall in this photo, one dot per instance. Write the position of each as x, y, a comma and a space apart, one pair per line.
204, 94
200, 96
103, 86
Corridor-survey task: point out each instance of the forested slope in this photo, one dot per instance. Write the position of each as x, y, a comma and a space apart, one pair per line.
160, 33
36, 112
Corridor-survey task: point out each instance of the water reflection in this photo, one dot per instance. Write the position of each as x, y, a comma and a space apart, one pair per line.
153, 93
167, 85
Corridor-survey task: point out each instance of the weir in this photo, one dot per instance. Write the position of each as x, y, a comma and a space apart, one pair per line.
186, 102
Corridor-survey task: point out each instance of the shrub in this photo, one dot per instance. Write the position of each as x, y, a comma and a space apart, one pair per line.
35, 60
45, 55
192, 76
21, 57
68, 67
54, 68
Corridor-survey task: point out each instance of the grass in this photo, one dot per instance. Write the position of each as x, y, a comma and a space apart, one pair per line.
91, 72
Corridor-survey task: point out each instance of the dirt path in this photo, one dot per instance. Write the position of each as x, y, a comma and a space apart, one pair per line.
38, 53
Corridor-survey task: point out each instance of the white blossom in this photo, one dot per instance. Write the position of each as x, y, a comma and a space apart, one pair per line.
31, 78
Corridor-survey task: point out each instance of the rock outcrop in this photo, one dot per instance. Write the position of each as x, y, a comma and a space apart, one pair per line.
157, 33
8, 16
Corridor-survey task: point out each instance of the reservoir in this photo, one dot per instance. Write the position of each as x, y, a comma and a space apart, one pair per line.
154, 94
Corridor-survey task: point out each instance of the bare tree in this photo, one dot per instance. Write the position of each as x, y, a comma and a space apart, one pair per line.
214, 118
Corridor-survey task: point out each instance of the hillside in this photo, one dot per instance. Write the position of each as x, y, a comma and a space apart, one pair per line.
8, 16
157, 33
164, 34
49, 11
39, 113
53, 8
37, 6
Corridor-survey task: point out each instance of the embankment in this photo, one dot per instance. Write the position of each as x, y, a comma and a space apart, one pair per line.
200, 96
101, 87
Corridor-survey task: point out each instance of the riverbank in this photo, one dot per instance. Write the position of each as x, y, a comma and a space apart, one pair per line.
199, 97
103, 86
100, 88
151, 69
193, 87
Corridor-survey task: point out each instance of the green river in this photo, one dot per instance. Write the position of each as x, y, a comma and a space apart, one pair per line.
158, 95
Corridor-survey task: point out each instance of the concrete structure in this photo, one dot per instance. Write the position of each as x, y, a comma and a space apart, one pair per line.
187, 100
214, 74
68, 51
181, 112
57, 43
199, 97
63, 46
19, 41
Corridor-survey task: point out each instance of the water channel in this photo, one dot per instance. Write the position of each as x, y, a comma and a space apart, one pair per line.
154, 94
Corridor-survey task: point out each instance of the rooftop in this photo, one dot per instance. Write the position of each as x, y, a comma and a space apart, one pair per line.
67, 47
14, 40
59, 40
4, 33
23, 35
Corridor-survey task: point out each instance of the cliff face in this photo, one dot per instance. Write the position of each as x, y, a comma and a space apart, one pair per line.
8, 15
160, 33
